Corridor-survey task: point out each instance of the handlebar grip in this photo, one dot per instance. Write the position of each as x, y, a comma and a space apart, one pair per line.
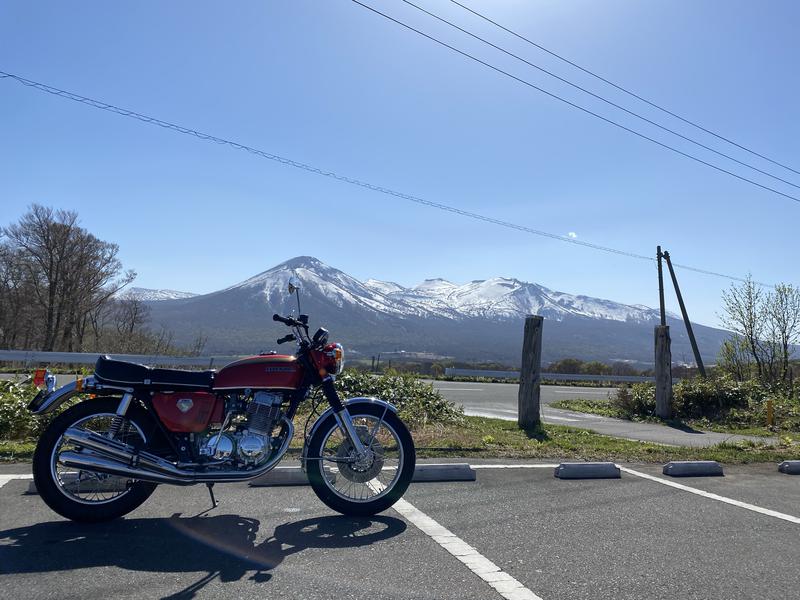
280, 319
287, 338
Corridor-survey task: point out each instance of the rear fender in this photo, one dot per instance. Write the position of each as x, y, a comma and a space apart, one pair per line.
46, 402
351, 404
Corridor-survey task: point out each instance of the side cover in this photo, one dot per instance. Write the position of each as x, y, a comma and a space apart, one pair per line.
186, 412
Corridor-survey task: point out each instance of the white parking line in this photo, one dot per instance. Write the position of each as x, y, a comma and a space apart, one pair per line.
502, 582
459, 389
5, 478
717, 497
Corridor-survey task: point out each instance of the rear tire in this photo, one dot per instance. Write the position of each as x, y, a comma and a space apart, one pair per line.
328, 440
54, 492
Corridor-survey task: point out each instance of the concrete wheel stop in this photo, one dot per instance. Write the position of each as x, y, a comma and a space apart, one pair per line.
790, 467
587, 470
422, 472
693, 468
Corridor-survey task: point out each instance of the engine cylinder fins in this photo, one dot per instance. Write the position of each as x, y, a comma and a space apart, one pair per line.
263, 411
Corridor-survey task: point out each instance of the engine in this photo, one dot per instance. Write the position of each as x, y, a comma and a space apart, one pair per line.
251, 442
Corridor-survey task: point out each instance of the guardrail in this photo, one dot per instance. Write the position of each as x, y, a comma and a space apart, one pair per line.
30, 357
89, 358
549, 376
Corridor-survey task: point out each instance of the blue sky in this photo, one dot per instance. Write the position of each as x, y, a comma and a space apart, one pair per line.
333, 85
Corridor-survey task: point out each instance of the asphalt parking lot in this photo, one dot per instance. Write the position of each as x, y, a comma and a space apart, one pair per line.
634, 537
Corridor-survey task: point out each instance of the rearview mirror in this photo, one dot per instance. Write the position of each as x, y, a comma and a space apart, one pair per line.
294, 285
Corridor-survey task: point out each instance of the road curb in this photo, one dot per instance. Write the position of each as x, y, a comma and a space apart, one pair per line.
587, 470
693, 468
790, 467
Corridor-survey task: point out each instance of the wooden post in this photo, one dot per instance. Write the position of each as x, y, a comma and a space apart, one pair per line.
697, 358
663, 372
530, 376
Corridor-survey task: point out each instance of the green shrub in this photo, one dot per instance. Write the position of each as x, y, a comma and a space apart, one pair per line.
638, 400
16, 421
714, 398
418, 402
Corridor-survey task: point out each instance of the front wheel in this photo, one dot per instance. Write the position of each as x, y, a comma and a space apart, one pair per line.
367, 485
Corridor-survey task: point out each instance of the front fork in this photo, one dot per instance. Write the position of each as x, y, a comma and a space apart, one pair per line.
342, 416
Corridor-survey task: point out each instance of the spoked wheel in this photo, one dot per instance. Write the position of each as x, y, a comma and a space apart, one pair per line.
85, 495
366, 485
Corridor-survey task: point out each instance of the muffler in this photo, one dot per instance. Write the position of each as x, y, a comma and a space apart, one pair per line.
115, 458
109, 466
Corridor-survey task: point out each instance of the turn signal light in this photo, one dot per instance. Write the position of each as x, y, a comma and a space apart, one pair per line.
39, 376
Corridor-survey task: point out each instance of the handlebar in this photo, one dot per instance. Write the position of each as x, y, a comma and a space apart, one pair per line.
287, 338
285, 320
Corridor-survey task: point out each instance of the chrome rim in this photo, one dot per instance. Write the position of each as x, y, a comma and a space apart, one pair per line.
88, 487
367, 479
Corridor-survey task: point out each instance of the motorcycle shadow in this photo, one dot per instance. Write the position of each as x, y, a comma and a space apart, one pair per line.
224, 546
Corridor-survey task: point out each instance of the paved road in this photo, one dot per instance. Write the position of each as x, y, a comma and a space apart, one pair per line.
499, 400
629, 538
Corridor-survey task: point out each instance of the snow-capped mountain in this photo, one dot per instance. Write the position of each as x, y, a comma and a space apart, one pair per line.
504, 298
497, 298
479, 320
150, 295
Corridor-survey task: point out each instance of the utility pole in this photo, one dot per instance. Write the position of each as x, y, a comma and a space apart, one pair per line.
663, 352
689, 330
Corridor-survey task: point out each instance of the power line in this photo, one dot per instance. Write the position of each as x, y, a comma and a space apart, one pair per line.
601, 98
357, 182
625, 90
579, 107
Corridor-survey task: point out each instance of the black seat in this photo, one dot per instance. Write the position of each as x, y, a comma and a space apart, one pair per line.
118, 372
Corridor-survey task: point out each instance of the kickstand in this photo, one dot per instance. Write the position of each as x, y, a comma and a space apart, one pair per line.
214, 502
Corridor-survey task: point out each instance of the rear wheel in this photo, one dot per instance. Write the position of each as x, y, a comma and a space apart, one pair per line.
367, 485
85, 495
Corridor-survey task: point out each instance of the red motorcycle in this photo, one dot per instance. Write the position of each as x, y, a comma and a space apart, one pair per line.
140, 427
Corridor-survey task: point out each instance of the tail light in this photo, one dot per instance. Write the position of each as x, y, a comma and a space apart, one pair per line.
39, 377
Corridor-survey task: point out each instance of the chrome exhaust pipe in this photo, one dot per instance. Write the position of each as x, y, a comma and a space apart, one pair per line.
109, 466
115, 458
122, 453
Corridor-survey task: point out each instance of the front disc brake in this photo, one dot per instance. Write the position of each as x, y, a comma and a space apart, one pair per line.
365, 469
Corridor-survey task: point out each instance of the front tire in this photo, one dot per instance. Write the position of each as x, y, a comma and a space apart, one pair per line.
373, 484
73, 495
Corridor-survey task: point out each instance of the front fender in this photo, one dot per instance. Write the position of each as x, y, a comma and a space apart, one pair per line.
349, 403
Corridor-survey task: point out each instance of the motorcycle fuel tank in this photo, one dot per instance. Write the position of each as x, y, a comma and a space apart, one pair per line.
266, 371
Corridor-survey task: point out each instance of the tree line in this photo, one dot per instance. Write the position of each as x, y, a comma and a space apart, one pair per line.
61, 290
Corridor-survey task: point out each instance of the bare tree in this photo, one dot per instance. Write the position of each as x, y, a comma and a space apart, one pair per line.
783, 325
743, 306
766, 328
68, 270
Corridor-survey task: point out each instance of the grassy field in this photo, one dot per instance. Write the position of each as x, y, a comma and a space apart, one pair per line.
480, 437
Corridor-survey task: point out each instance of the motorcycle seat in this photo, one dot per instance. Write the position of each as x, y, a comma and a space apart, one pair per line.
128, 374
